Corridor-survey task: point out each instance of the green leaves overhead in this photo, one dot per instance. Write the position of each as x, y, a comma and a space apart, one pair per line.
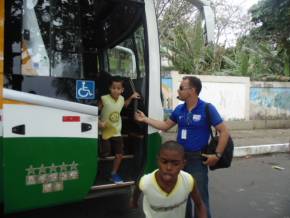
262, 54
187, 48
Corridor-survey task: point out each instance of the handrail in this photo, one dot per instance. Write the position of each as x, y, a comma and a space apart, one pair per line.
112, 185
49, 102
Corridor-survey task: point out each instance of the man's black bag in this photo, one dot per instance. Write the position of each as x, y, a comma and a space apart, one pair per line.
226, 159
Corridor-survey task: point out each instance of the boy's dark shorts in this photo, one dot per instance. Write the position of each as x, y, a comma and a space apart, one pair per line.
114, 144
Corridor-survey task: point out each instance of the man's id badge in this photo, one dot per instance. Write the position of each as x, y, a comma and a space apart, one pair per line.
196, 117
183, 134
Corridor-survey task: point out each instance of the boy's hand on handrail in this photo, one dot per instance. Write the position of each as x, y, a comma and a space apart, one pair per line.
135, 95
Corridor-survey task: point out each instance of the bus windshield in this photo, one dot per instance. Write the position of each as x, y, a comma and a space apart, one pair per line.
62, 38
123, 58
54, 43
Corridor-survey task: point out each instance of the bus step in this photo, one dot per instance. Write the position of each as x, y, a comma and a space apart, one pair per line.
134, 135
112, 186
109, 158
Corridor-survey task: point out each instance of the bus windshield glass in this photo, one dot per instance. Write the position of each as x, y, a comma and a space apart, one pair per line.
68, 38
123, 58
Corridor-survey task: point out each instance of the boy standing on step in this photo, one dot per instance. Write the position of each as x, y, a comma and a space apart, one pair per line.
111, 124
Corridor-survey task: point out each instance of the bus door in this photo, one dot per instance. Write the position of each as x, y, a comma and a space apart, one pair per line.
49, 150
1, 82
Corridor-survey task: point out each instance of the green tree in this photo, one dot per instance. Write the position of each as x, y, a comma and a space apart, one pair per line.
260, 61
169, 14
272, 19
261, 55
187, 50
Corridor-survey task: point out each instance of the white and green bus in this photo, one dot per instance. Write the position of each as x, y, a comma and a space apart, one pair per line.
56, 57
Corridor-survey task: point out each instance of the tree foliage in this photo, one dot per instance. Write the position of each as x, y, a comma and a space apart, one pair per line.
171, 13
262, 55
187, 48
256, 60
272, 19
231, 22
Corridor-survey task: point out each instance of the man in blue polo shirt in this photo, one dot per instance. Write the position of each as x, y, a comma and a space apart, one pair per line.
193, 132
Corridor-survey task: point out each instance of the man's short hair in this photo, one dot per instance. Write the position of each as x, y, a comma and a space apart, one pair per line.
194, 82
171, 145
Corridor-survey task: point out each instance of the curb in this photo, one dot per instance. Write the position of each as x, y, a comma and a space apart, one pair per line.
242, 151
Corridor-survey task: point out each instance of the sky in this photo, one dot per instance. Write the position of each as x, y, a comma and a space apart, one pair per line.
229, 37
246, 4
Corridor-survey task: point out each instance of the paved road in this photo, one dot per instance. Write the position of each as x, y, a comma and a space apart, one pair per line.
251, 188
107, 207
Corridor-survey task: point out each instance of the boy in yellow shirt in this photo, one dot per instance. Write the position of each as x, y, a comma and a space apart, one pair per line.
166, 190
111, 123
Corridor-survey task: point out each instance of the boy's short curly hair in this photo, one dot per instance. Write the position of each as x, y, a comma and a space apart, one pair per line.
171, 145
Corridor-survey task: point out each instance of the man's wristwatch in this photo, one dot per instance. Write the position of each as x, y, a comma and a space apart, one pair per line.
218, 154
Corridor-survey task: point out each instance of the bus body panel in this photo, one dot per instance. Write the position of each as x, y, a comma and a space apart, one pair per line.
1, 85
154, 142
50, 156
1, 161
155, 105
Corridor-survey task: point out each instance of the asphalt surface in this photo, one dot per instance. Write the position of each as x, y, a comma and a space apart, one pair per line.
255, 187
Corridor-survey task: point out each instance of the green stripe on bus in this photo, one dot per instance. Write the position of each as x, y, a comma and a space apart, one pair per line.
154, 142
73, 160
1, 171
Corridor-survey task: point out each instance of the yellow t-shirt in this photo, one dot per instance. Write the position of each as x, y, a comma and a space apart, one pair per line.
159, 204
111, 115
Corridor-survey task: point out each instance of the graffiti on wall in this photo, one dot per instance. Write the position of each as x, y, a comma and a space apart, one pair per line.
269, 102
166, 84
235, 97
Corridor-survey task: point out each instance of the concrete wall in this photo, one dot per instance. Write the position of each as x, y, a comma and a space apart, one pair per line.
230, 95
269, 100
242, 104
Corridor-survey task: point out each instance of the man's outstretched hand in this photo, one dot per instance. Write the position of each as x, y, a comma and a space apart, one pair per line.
140, 116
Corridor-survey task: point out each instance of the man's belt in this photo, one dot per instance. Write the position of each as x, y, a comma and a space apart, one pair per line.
189, 154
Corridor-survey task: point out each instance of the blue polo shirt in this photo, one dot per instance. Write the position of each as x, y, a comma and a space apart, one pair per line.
193, 132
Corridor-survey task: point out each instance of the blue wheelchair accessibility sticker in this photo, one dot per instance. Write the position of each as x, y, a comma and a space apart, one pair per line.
85, 89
